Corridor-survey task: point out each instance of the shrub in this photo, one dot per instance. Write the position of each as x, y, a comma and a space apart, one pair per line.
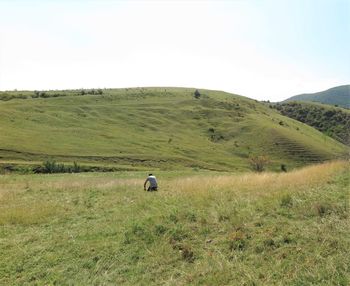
36, 93
76, 168
197, 94
258, 163
50, 167
283, 168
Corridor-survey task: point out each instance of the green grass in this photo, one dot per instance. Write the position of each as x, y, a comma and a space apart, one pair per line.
207, 225
200, 228
155, 128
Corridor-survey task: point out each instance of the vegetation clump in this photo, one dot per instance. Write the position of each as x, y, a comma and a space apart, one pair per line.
283, 168
91, 91
332, 121
197, 94
259, 163
51, 167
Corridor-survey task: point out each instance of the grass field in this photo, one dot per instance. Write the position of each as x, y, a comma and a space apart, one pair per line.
157, 128
200, 228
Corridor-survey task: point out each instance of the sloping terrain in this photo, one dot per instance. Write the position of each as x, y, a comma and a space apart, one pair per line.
339, 96
333, 121
200, 228
155, 128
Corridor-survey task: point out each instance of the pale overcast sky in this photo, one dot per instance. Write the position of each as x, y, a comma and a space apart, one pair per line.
263, 49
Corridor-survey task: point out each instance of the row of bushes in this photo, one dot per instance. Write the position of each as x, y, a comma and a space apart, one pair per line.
257, 163
51, 167
47, 94
91, 91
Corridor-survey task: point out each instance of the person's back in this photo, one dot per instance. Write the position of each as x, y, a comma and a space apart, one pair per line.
153, 184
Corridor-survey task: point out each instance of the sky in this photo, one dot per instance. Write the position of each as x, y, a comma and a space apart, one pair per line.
262, 49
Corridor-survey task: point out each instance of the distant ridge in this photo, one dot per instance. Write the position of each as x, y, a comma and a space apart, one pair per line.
330, 120
339, 95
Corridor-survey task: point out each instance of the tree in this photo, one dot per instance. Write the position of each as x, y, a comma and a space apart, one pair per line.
197, 94
258, 163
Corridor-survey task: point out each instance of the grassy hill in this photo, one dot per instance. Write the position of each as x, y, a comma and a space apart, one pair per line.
200, 228
154, 128
207, 225
339, 96
333, 121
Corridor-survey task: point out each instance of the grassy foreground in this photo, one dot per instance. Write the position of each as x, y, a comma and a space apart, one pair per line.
201, 228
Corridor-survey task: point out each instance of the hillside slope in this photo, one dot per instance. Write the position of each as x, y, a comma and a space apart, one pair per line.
156, 128
339, 95
333, 121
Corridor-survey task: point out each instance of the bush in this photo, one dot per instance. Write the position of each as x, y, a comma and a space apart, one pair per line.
197, 94
50, 167
259, 163
76, 168
36, 94
283, 168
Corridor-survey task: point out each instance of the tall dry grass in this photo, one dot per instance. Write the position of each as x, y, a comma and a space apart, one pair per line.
252, 182
14, 209
27, 214
258, 183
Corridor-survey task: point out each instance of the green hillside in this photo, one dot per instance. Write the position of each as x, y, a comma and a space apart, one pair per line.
154, 128
339, 96
333, 121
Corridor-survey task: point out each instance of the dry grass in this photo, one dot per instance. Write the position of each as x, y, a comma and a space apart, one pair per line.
15, 210
67, 182
27, 214
257, 183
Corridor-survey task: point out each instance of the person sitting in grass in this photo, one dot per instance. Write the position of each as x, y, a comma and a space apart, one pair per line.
153, 185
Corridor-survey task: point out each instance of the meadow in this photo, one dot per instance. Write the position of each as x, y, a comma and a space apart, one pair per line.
200, 228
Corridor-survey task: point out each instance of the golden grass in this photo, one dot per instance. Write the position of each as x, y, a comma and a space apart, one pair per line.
14, 210
258, 183
27, 214
96, 183
66, 182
